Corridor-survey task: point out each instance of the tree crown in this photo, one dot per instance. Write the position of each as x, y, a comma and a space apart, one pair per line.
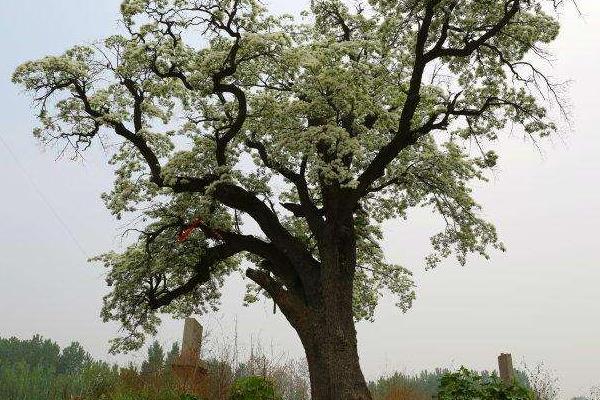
243, 135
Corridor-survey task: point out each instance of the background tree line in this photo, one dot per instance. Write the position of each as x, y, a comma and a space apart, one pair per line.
38, 369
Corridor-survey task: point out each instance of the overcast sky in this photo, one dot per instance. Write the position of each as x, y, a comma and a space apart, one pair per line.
540, 301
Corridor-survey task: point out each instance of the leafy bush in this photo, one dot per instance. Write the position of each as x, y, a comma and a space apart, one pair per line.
253, 388
99, 380
469, 385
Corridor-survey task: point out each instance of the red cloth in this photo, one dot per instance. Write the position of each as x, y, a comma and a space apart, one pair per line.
187, 232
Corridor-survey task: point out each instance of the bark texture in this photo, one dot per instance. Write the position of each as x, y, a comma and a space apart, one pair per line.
332, 355
325, 322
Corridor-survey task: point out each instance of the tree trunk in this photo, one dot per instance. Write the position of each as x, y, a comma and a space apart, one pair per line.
329, 339
333, 362
324, 320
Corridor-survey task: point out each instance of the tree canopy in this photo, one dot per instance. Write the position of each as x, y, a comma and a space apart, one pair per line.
239, 137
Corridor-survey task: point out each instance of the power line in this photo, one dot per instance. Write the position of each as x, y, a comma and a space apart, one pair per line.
44, 198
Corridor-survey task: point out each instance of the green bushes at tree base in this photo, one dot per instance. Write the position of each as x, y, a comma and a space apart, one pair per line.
469, 385
253, 388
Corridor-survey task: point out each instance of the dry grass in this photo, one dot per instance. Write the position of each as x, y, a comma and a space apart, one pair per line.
406, 393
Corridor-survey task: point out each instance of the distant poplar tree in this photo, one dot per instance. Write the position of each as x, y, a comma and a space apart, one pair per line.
172, 355
156, 359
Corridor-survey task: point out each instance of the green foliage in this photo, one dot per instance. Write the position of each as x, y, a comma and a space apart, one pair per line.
99, 380
37, 352
73, 359
32, 371
21, 382
371, 110
172, 354
253, 388
37, 369
469, 385
156, 359
429, 382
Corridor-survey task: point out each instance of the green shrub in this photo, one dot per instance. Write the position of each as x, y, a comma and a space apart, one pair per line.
253, 388
99, 380
469, 385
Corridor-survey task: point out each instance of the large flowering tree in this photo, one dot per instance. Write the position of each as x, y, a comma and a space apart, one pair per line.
249, 141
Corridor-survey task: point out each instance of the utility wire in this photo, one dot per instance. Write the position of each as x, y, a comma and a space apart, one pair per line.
44, 198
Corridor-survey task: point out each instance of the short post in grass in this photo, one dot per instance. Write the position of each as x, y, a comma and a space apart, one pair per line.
505, 366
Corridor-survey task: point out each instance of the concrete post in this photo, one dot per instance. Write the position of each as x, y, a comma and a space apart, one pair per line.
187, 366
192, 341
505, 366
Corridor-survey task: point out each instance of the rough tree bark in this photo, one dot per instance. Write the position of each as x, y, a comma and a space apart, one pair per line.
326, 324
328, 335
332, 355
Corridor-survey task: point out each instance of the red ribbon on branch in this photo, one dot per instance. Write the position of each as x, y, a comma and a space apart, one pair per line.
197, 223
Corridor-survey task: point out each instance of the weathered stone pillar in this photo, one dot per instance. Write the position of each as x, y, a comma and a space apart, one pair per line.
505, 366
192, 342
187, 366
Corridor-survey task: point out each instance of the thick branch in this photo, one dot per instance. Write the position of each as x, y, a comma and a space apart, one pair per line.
471, 46
233, 244
307, 207
404, 137
229, 194
292, 306
202, 269
120, 129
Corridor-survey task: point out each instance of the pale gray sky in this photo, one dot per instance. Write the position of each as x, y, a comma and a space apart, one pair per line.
540, 300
